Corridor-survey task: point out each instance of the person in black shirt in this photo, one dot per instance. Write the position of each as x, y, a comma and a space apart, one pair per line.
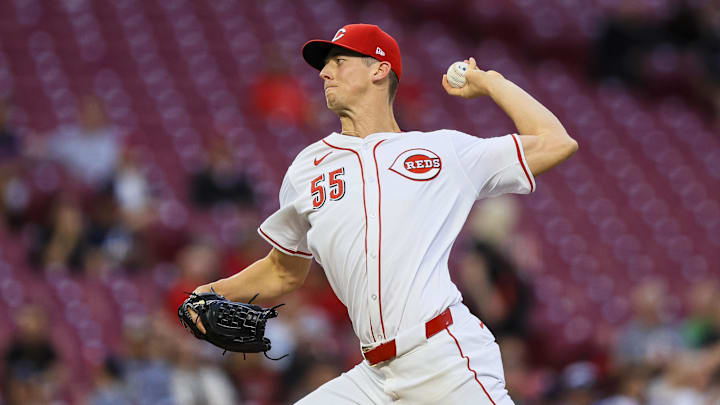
30, 359
221, 181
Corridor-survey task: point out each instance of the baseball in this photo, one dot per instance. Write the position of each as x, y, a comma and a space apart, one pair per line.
456, 74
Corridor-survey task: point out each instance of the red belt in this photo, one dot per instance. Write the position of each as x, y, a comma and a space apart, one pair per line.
387, 350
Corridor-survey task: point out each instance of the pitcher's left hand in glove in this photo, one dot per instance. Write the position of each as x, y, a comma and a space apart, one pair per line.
233, 326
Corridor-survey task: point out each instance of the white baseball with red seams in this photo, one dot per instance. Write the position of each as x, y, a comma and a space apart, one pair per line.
380, 215
456, 74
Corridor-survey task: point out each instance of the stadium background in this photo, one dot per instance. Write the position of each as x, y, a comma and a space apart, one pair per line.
142, 142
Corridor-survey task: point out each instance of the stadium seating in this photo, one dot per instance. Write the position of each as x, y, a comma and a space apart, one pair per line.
639, 198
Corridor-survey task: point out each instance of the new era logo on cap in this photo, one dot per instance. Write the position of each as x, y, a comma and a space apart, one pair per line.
366, 39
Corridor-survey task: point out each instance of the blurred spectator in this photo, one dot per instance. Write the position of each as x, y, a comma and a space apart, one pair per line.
90, 150
525, 383
196, 381
648, 337
686, 379
132, 192
9, 142
244, 251
257, 382
222, 181
112, 239
197, 264
148, 373
713, 389
494, 220
14, 191
317, 373
31, 374
94, 241
663, 46
15, 196
627, 36
59, 242
490, 282
277, 95
702, 327
492, 285
316, 292
307, 333
578, 381
704, 23
109, 386
630, 386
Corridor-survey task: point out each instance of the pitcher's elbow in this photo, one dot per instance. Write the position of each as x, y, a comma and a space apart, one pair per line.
569, 144
573, 146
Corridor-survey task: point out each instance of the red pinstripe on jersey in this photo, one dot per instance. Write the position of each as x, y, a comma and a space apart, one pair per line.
517, 147
362, 175
382, 323
468, 365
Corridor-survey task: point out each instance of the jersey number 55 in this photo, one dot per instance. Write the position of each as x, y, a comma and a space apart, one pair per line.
335, 184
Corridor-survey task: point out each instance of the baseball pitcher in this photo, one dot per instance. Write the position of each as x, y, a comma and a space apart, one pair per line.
379, 209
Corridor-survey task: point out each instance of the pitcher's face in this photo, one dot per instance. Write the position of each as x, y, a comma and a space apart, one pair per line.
347, 79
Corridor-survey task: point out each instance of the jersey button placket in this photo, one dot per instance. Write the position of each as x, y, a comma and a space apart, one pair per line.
373, 235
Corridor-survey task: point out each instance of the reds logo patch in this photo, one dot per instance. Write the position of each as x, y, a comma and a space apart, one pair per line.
417, 164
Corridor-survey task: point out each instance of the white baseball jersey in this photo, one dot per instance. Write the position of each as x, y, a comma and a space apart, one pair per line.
380, 215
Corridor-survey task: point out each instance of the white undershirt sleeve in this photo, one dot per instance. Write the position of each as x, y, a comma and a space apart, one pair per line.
286, 229
495, 166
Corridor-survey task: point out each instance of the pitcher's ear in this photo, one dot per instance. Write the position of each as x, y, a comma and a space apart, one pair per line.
382, 70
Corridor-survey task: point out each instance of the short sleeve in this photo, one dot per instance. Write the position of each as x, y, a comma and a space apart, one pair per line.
494, 166
286, 229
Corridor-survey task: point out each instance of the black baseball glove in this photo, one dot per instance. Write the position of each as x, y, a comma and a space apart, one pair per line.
233, 326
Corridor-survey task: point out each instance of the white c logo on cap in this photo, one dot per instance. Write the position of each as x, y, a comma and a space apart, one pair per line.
341, 33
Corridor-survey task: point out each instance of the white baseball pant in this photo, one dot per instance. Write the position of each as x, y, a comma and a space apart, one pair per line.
459, 365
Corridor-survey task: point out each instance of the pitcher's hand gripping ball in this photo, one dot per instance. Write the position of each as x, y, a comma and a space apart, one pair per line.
456, 74
233, 326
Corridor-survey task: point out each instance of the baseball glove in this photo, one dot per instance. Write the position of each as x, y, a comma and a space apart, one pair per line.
233, 326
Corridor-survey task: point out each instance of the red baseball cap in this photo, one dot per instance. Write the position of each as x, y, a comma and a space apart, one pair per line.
366, 39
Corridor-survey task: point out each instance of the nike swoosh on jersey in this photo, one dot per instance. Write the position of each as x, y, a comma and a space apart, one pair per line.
317, 161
